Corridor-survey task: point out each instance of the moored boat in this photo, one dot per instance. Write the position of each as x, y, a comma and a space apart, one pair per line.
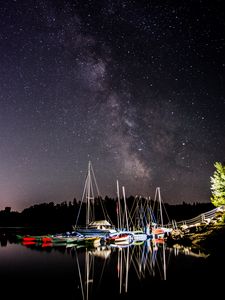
123, 237
93, 227
139, 235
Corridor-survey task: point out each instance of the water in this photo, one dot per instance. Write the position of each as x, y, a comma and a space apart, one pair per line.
106, 272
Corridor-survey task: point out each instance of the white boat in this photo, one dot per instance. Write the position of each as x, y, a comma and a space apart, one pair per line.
139, 235
100, 228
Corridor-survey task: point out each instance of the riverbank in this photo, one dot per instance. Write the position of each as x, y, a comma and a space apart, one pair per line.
207, 238
211, 238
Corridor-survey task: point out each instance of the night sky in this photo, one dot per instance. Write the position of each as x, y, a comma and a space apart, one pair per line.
137, 87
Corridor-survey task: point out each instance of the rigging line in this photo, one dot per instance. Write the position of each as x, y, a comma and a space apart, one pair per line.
135, 258
154, 203
95, 181
133, 208
105, 213
166, 211
119, 222
92, 212
82, 199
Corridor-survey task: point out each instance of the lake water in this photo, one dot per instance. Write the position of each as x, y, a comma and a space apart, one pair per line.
106, 272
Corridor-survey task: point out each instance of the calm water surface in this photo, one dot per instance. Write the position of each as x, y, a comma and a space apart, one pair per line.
105, 272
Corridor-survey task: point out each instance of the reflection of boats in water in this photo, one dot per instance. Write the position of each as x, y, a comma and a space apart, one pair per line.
150, 259
117, 268
123, 267
101, 252
90, 265
195, 252
93, 267
146, 260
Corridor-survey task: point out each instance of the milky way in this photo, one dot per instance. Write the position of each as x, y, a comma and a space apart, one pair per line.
137, 87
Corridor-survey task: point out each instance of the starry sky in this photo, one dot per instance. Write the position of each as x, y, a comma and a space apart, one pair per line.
137, 87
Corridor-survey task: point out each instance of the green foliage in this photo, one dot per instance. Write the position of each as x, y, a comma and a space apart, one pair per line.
223, 219
218, 185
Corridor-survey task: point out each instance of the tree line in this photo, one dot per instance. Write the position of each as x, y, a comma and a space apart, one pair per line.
65, 213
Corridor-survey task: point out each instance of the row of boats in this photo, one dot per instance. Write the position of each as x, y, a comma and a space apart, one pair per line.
94, 236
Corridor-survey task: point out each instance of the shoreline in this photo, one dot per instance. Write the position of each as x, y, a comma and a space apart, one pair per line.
208, 238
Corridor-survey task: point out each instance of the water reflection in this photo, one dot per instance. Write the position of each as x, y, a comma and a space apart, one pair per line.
191, 251
89, 266
3, 240
107, 269
141, 261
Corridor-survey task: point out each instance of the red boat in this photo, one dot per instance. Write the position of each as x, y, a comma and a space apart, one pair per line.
120, 237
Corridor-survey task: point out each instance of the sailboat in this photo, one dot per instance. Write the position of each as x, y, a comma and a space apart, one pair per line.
159, 230
93, 227
123, 235
138, 235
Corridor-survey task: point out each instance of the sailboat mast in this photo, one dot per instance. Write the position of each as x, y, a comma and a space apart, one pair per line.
88, 193
119, 207
160, 205
125, 207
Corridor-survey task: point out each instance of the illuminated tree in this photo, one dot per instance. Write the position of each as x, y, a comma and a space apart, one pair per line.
218, 185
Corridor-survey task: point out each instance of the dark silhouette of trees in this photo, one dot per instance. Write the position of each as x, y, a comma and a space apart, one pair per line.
9, 218
64, 215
